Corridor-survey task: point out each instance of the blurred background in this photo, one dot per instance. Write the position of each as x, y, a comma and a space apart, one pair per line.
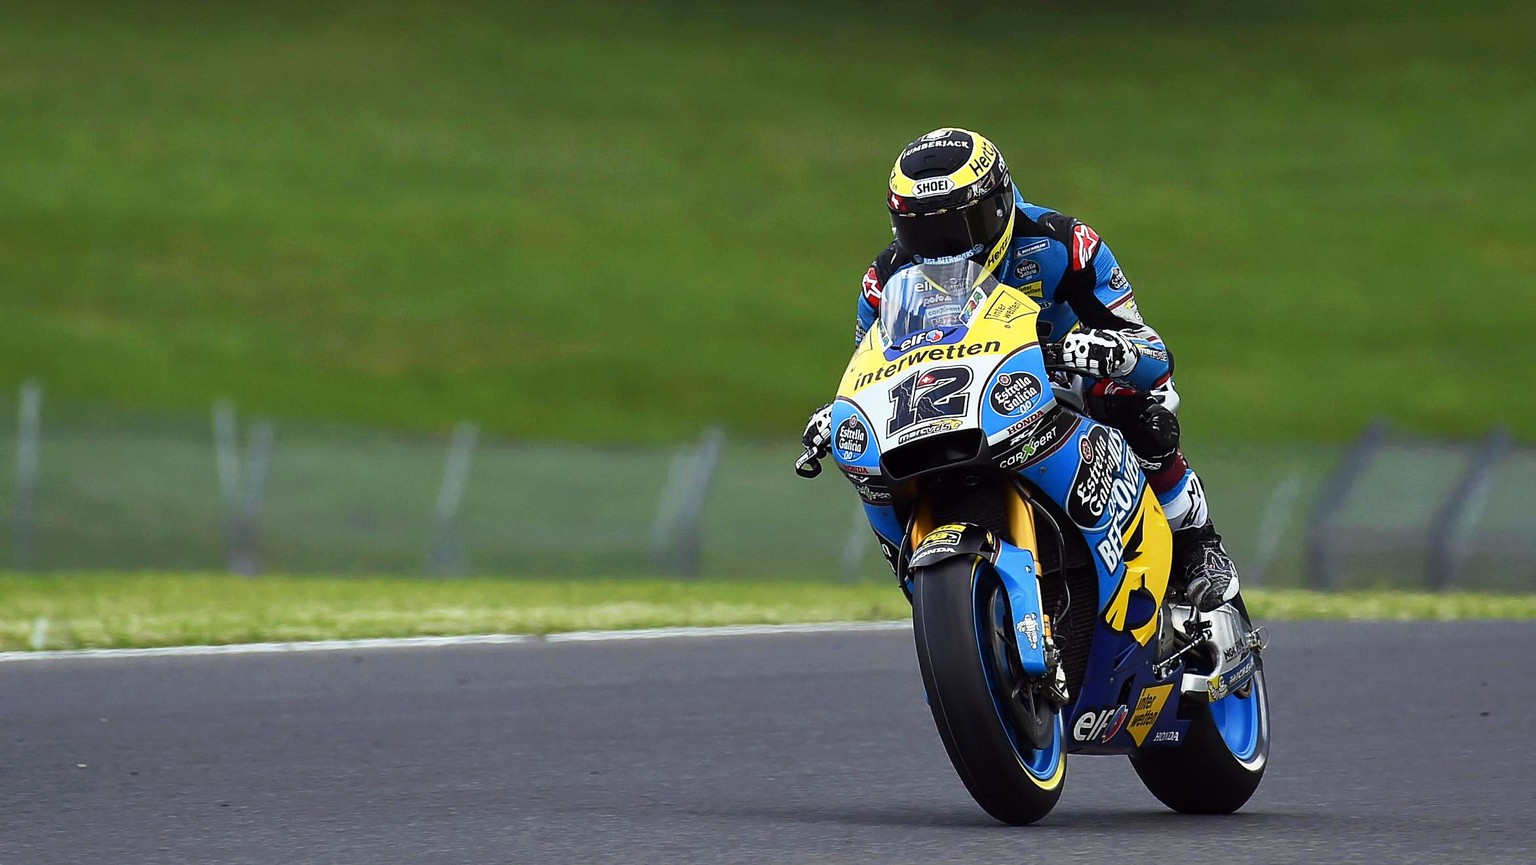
548, 289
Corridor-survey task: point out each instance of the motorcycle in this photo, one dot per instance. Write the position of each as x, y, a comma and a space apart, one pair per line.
1037, 562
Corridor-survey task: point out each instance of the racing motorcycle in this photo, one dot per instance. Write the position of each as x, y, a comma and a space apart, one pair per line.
1037, 561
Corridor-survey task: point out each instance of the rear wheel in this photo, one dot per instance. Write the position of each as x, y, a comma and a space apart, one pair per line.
1221, 761
1004, 740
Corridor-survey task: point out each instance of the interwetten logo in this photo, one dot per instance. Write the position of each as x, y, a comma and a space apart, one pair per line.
948, 352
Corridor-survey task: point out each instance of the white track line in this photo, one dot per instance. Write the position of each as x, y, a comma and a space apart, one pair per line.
468, 640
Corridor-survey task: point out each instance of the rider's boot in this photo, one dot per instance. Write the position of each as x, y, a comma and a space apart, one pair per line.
1202, 568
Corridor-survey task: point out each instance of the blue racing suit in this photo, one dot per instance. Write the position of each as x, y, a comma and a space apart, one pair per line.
1064, 266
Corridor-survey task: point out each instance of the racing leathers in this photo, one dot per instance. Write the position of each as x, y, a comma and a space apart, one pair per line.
1089, 323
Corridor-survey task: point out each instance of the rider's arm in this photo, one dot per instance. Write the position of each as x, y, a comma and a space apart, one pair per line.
869, 304
1101, 298
871, 290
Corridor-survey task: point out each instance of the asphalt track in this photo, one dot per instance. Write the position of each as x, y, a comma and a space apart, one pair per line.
1393, 743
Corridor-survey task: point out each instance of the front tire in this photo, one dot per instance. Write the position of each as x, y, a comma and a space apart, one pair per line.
963, 630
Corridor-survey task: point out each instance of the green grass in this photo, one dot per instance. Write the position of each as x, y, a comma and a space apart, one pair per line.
608, 221
94, 610
120, 610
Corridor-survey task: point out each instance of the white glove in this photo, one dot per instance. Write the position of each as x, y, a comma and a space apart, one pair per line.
1094, 353
817, 440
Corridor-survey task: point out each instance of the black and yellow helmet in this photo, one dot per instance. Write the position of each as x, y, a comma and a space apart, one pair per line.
951, 197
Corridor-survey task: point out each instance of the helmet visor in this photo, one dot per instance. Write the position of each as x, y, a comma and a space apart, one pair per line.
967, 231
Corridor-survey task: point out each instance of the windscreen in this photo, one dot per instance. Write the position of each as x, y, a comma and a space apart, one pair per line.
931, 296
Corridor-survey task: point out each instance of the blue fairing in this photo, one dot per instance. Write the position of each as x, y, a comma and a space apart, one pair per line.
1018, 395
853, 442
858, 455
1017, 569
1117, 663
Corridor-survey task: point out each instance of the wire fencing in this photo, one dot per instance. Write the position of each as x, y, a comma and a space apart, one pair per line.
98, 488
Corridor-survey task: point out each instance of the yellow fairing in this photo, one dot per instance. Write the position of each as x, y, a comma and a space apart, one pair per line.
1004, 321
1148, 555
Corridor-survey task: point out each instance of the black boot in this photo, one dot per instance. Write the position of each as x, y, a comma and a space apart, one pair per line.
1202, 568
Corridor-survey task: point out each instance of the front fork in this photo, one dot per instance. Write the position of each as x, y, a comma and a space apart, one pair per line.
1016, 561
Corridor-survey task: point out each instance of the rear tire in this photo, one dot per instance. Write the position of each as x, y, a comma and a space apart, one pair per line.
968, 668
1220, 763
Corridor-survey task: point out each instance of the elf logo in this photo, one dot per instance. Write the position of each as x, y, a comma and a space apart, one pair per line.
1101, 724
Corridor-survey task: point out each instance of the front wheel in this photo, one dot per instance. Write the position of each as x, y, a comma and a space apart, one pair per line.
1221, 761
1005, 743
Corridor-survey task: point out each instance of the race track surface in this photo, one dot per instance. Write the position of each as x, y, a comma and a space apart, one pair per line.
1393, 743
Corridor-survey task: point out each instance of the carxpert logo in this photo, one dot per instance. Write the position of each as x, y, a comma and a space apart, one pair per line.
1034, 445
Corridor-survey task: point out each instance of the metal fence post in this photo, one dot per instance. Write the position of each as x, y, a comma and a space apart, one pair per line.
1457, 516
677, 532
253, 485
1331, 499
242, 496
856, 545
663, 526
1277, 517
29, 436
448, 556
226, 458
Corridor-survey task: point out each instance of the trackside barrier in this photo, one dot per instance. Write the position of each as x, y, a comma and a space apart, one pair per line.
1331, 500
1272, 528
241, 486
1406, 510
676, 534
29, 431
1457, 517
448, 556
102, 488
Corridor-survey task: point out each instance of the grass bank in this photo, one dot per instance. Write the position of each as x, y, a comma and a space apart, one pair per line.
101, 610
604, 220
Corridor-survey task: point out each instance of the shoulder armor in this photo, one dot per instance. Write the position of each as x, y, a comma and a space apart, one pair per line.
890, 260
1082, 242
1057, 226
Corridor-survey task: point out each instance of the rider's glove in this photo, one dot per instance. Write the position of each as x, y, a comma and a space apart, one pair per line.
818, 442
1149, 427
1094, 353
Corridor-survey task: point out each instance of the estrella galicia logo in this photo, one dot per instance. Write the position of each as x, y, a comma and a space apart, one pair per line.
1015, 393
1026, 269
852, 439
1103, 452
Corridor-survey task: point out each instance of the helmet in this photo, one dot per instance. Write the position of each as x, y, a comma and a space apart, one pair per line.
951, 197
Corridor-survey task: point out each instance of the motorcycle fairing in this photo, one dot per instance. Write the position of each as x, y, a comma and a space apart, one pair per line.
990, 375
1018, 570
1096, 482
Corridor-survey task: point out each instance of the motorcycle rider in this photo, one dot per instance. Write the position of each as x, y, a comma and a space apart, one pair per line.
951, 195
